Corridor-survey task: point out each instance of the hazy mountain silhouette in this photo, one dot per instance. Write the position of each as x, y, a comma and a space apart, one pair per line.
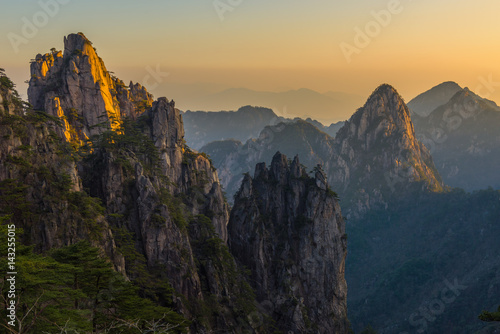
464, 140
329, 107
247, 122
426, 102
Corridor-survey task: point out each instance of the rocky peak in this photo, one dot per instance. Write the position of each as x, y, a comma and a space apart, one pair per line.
74, 42
383, 115
425, 103
291, 235
140, 93
161, 201
377, 150
279, 168
76, 86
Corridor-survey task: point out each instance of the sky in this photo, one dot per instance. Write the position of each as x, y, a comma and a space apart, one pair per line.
271, 45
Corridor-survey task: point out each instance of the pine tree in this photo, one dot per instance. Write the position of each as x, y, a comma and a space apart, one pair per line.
490, 316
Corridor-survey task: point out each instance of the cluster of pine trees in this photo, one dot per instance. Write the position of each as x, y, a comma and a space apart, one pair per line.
75, 290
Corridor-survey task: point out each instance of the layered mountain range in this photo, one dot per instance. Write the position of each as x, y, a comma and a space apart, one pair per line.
247, 122
410, 236
298, 102
94, 160
373, 156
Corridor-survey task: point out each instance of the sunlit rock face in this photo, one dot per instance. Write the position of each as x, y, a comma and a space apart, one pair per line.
76, 86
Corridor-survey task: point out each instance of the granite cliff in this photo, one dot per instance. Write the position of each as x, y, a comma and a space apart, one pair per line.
287, 229
377, 154
75, 85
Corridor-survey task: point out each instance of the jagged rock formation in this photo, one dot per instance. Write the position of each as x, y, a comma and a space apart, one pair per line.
425, 103
288, 230
232, 158
75, 85
463, 138
377, 153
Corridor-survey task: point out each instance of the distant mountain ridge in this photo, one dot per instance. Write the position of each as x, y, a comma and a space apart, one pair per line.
329, 107
247, 122
233, 158
409, 236
204, 127
464, 140
426, 102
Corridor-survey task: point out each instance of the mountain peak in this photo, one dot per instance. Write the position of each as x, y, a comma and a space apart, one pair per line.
428, 101
78, 44
73, 40
379, 145
385, 89
76, 87
383, 114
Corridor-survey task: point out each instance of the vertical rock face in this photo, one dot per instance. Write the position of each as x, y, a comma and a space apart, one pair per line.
377, 153
77, 86
185, 169
287, 229
39, 173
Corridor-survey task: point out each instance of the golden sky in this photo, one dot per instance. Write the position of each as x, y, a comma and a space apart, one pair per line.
272, 45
